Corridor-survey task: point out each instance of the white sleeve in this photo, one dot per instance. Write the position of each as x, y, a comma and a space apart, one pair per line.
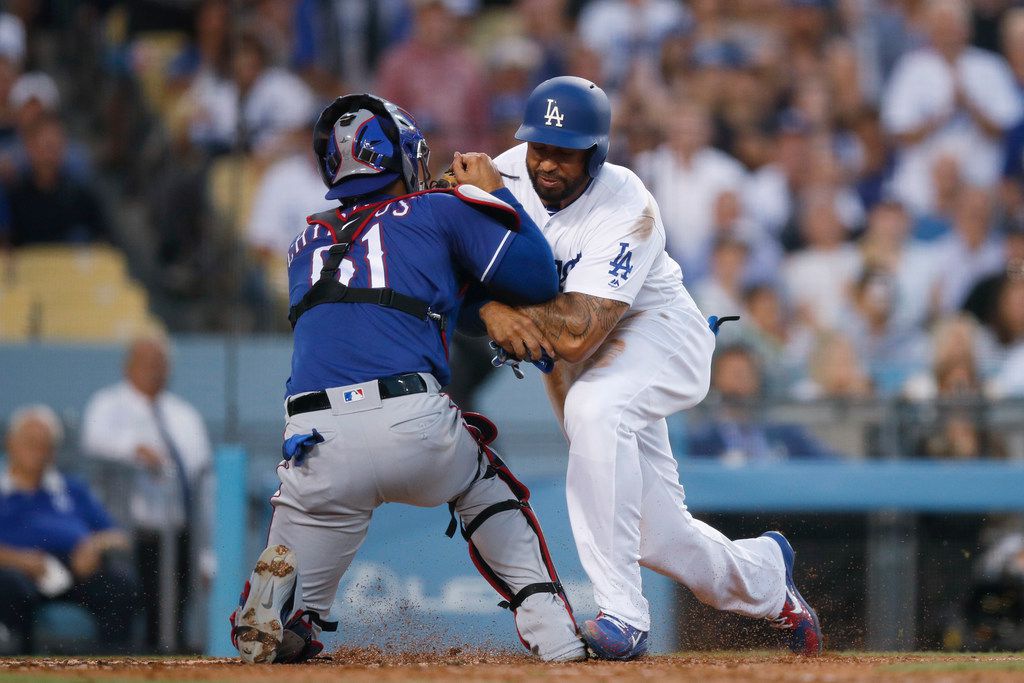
103, 430
900, 111
618, 256
993, 90
202, 442
264, 219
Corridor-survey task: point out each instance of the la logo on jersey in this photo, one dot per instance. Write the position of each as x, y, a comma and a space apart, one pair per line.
553, 115
353, 396
620, 265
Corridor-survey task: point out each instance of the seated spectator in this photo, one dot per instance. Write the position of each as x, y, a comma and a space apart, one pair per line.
289, 191
721, 293
949, 98
686, 175
886, 245
959, 431
257, 109
881, 341
137, 421
835, 371
969, 254
875, 160
1007, 323
984, 302
34, 95
739, 432
765, 257
511, 64
937, 220
47, 203
12, 54
768, 328
818, 276
626, 31
957, 340
1013, 146
56, 540
455, 116
803, 170
209, 48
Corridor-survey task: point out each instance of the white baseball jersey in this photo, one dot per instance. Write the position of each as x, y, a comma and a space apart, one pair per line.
625, 503
608, 243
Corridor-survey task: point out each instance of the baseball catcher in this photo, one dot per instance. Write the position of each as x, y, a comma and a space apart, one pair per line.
375, 286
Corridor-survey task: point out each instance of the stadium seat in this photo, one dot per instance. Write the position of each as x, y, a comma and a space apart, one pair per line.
63, 628
95, 302
17, 313
37, 265
232, 184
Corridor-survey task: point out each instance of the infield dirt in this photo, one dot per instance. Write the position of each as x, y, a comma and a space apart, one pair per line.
465, 665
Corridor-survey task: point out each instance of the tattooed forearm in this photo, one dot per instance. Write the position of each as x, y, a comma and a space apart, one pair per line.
576, 323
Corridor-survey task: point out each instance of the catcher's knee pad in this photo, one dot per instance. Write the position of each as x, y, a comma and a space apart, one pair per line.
267, 627
484, 432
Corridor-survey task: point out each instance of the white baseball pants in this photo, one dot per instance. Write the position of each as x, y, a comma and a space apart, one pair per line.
625, 502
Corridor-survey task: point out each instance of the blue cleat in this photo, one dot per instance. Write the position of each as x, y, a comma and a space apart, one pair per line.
804, 632
611, 638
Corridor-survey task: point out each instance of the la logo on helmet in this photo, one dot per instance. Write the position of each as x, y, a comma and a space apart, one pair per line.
553, 115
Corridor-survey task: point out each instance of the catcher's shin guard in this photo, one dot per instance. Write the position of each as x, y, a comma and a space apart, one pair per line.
266, 628
484, 432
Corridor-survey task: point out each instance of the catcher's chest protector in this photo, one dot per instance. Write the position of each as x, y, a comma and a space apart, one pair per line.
345, 230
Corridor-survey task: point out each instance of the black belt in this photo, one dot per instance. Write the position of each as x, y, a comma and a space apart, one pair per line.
390, 387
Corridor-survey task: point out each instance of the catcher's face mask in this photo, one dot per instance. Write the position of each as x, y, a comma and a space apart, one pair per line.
364, 143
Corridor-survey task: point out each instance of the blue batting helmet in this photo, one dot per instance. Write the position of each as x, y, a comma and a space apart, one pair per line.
363, 143
572, 112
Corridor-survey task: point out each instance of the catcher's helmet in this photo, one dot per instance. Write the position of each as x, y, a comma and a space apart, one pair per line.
363, 143
572, 112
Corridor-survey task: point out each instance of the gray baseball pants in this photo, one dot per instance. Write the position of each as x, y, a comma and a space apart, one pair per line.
416, 450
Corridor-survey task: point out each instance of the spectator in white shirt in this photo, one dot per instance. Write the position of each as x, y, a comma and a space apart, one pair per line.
886, 346
289, 191
624, 31
968, 254
818, 277
887, 245
271, 102
686, 175
802, 162
722, 292
138, 422
949, 97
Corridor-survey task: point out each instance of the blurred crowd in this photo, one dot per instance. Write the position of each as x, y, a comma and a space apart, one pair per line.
845, 175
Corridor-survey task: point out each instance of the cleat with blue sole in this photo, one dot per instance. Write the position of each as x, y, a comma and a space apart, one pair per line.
803, 635
611, 638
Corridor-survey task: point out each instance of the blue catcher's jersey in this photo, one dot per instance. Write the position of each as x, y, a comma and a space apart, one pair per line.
425, 246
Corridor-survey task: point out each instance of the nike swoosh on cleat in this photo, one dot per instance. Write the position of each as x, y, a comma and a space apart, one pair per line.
797, 608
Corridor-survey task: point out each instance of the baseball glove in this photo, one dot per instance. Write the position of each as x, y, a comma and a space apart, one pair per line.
445, 180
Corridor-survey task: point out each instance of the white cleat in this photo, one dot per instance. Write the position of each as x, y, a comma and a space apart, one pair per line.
259, 623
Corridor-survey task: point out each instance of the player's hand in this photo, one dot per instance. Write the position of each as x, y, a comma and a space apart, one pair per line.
515, 332
474, 168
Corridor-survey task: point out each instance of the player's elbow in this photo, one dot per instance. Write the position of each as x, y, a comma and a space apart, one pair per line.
547, 287
575, 350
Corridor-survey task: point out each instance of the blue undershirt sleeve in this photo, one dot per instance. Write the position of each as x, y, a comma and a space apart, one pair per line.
526, 273
469, 322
